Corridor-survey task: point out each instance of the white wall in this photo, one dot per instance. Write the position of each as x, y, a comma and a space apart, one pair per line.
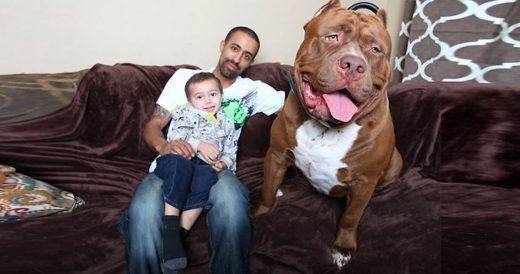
68, 35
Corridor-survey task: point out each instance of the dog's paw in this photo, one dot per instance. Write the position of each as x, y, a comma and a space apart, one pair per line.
259, 210
340, 259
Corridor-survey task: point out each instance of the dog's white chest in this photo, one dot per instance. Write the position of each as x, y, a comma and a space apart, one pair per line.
319, 151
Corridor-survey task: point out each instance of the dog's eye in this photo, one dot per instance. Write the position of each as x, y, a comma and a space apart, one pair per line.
332, 38
375, 50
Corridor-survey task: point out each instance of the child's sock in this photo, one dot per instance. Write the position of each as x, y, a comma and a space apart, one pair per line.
184, 232
174, 256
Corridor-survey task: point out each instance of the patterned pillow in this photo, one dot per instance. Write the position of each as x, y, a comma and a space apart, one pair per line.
22, 197
459, 41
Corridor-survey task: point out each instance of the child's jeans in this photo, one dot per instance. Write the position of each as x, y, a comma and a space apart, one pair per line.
186, 182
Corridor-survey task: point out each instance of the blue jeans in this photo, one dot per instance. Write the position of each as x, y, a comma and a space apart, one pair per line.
228, 218
186, 183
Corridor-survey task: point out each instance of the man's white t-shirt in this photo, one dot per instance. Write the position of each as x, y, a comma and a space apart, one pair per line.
245, 97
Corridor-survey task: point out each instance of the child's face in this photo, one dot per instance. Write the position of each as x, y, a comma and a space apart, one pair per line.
205, 96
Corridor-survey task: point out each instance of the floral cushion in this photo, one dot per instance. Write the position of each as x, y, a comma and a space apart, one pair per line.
22, 197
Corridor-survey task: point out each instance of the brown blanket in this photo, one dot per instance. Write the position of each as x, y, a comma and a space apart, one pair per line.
456, 207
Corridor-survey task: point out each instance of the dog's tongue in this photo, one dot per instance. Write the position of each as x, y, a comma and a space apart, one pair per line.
340, 106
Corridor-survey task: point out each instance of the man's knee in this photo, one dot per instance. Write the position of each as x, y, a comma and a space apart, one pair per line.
229, 192
147, 199
228, 203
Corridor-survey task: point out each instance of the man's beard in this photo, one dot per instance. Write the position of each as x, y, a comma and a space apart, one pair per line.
229, 74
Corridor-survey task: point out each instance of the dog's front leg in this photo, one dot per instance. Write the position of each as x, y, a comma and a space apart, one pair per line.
275, 166
357, 200
359, 194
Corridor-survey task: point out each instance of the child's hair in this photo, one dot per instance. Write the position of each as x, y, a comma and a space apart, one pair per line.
201, 77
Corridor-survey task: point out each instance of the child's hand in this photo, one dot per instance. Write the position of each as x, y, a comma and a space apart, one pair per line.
209, 151
219, 166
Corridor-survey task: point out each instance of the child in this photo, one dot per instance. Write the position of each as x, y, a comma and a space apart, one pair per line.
186, 185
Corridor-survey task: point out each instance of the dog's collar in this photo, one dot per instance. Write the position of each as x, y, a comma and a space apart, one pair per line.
293, 87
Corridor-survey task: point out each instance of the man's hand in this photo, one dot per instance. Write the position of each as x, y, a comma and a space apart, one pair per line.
182, 148
179, 147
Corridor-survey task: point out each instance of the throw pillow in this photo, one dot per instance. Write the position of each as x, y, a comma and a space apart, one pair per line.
23, 197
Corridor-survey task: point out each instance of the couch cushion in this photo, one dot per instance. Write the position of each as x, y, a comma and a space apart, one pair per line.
414, 109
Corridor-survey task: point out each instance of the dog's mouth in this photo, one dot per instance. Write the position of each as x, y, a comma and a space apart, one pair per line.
339, 105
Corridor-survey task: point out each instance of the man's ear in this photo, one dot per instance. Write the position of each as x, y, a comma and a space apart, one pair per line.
222, 44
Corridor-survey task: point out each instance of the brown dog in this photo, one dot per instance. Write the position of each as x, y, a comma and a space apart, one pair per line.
336, 125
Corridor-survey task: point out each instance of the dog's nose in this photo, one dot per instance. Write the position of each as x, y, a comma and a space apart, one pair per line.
353, 67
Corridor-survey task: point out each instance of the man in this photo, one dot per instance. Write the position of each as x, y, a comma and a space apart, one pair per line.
228, 212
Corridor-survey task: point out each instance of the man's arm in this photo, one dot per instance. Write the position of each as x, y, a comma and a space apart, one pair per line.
154, 136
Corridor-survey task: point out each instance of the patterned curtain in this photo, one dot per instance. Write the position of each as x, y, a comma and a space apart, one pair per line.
459, 41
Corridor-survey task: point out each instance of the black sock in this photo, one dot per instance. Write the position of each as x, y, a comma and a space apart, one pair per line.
174, 255
184, 233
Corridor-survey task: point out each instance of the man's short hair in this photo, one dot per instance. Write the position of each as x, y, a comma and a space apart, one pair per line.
246, 30
201, 77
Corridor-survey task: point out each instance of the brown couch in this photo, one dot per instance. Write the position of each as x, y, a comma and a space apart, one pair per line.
456, 207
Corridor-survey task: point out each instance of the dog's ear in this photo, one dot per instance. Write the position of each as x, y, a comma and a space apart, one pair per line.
381, 13
327, 6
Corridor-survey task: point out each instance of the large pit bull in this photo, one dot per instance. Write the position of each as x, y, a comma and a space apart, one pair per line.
336, 126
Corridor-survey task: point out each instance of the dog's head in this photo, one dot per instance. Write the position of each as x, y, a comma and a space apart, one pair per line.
342, 66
